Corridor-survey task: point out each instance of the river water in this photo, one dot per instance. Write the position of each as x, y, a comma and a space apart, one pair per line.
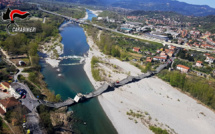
73, 80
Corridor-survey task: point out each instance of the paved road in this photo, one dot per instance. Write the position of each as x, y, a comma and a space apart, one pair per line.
31, 103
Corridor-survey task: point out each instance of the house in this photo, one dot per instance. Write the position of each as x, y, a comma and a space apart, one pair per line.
147, 52
183, 68
163, 54
209, 59
199, 64
161, 59
99, 18
132, 17
170, 54
136, 49
172, 47
8, 104
148, 59
112, 20
2, 88
5, 86
206, 54
158, 51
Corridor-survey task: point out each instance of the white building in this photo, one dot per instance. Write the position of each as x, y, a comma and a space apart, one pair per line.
14, 93
112, 20
99, 18
209, 59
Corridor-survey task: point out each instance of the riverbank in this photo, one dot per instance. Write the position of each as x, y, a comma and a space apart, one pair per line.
96, 12
86, 16
52, 49
161, 104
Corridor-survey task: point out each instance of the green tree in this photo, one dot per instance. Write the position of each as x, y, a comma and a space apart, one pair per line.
115, 52
148, 67
32, 49
58, 97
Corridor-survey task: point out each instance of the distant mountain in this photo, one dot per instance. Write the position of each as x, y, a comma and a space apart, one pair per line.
166, 5
154, 5
92, 2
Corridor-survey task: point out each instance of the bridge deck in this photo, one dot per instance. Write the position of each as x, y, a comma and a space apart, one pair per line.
104, 87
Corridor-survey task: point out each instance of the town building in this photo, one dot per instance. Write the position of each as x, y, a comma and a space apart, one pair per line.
132, 17
182, 68
6, 87
206, 54
209, 59
8, 104
169, 52
136, 49
199, 64
99, 18
161, 59
163, 54
148, 59
172, 47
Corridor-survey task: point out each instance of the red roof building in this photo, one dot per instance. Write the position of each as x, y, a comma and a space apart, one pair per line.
136, 49
162, 59
183, 68
148, 59
199, 63
8, 104
132, 17
5, 85
172, 47
206, 54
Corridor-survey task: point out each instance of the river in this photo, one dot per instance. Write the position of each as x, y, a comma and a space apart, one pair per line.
73, 80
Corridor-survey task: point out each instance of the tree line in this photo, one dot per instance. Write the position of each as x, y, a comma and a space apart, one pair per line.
199, 88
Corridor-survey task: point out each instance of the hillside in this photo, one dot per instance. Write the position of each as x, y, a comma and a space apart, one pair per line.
153, 5
166, 5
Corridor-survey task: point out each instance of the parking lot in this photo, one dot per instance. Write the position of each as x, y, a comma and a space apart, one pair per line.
31, 103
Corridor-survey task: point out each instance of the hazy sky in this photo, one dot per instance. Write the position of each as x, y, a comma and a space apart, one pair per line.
211, 3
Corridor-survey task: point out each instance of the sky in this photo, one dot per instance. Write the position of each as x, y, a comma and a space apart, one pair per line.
210, 3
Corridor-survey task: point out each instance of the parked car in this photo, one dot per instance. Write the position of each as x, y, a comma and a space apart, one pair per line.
18, 89
23, 97
22, 92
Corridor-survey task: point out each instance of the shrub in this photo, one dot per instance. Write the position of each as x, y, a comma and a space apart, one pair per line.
158, 130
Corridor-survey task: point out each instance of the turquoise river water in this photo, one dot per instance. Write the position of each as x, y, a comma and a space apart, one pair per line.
75, 80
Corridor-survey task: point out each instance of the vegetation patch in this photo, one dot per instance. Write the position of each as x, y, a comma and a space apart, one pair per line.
158, 130
95, 70
198, 87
